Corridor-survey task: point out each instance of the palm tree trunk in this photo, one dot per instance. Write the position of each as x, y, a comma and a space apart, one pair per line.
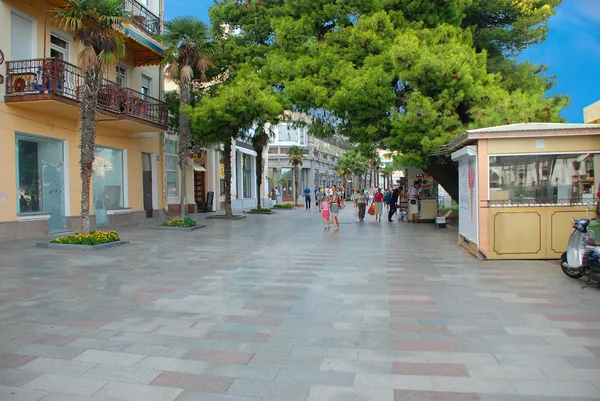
184, 146
259, 173
296, 177
91, 79
227, 161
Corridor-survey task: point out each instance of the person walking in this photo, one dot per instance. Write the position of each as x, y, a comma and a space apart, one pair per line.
319, 198
325, 213
354, 199
393, 203
276, 194
414, 193
335, 208
361, 202
378, 202
388, 196
307, 197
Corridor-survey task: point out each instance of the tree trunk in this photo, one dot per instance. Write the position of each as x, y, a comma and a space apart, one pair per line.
296, 178
227, 161
184, 147
445, 172
259, 173
91, 78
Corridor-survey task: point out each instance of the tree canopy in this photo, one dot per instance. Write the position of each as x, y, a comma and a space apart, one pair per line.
403, 75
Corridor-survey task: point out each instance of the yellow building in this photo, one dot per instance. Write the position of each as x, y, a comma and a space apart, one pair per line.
521, 184
591, 113
40, 186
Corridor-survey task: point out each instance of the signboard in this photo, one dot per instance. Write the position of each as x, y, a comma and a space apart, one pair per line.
222, 171
209, 201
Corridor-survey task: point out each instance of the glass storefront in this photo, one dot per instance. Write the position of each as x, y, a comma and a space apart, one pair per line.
107, 182
247, 175
41, 178
543, 178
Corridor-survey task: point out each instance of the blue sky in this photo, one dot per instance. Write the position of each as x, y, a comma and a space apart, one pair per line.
572, 49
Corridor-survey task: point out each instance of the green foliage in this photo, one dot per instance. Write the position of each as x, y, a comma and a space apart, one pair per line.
296, 155
96, 23
261, 210
179, 222
284, 206
93, 238
223, 112
405, 75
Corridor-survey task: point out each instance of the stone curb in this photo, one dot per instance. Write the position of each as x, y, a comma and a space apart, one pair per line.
196, 227
251, 212
51, 245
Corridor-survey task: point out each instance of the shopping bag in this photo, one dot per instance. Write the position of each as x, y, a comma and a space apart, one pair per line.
371, 210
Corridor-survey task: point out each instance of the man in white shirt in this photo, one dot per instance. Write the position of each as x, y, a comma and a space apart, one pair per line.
413, 201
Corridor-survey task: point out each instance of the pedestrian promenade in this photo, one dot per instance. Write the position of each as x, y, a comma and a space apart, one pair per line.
275, 308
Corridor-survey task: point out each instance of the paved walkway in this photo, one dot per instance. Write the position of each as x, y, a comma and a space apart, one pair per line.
274, 308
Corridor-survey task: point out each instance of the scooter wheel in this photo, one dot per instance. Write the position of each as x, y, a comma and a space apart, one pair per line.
564, 265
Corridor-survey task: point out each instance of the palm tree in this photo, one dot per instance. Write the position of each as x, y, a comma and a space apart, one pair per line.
296, 155
259, 141
188, 49
95, 23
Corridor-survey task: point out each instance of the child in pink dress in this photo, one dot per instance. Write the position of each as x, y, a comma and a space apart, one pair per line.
325, 213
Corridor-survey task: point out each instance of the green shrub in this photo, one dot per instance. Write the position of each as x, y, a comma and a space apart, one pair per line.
93, 238
262, 209
179, 222
284, 206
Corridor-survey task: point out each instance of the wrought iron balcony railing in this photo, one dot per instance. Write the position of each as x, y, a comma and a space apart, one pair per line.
54, 76
143, 18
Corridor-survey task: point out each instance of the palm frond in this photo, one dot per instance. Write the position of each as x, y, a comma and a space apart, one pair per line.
186, 73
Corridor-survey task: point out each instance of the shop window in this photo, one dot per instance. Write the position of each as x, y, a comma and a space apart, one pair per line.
40, 178
107, 182
542, 178
222, 173
247, 175
171, 168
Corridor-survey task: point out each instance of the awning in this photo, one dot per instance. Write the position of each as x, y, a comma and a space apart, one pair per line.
197, 167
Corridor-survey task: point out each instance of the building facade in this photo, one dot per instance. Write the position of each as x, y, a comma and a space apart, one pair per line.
317, 166
40, 188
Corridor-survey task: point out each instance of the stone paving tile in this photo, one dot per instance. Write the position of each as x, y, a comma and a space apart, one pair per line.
331, 393
13, 361
16, 377
410, 395
173, 364
236, 358
122, 373
188, 381
8, 393
315, 377
66, 384
137, 392
110, 358
270, 390
59, 366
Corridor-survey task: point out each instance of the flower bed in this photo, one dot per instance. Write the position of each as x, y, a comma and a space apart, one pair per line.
260, 211
179, 222
93, 238
284, 206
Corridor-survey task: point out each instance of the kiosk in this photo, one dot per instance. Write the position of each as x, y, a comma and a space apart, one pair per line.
520, 185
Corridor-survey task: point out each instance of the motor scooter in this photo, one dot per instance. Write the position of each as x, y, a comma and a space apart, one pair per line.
582, 257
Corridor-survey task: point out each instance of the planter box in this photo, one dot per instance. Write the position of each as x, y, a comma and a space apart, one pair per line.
223, 217
255, 212
196, 227
51, 245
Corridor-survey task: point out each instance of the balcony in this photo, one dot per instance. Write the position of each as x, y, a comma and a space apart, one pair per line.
52, 86
143, 18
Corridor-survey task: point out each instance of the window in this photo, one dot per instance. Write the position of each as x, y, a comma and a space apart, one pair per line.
171, 168
107, 182
22, 43
543, 178
121, 76
222, 173
41, 179
59, 48
288, 133
247, 175
146, 86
